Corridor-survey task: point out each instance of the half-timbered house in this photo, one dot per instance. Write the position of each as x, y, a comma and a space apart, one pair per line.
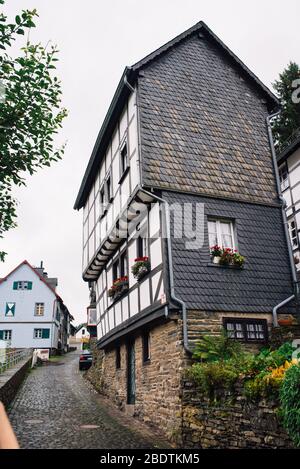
186, 134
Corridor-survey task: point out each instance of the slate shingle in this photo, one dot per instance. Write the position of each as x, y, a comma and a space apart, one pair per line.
266, 278
203, 126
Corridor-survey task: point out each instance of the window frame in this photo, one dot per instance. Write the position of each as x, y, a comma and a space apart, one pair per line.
36, 308
146, 347
118, 357
35, 335
124, 167
248, 321
218, 221
5, 331
292, 220
284, 182
108, 188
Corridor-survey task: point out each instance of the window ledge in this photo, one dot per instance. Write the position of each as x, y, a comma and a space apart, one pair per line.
124, 174
222, 266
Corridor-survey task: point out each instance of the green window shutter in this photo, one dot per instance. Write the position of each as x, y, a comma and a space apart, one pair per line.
29, 286
45, 333
1, 335
10, 309
15, 286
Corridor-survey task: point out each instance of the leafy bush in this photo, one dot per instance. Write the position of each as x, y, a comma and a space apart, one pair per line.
217, 348
211, 377
290, 403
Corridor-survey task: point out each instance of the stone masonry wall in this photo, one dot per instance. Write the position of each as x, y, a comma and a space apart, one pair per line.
158, 382
232, 423
11, 380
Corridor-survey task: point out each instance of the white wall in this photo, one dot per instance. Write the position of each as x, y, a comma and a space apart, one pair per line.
141, 295
95, 228
24, 321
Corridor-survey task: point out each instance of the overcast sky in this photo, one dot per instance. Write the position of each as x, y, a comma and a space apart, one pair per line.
96, 40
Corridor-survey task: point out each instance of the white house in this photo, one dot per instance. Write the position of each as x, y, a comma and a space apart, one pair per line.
32, 314
81, 336
289, 173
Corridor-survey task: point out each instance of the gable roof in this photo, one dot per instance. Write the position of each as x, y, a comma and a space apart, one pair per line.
123, 91
25, 262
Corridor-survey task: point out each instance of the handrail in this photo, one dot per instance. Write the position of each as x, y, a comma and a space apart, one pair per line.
9, 358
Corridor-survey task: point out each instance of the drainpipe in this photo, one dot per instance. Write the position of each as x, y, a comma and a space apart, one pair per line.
285, 223
170, 263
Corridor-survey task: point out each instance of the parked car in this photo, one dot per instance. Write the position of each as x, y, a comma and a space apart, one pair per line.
85, 360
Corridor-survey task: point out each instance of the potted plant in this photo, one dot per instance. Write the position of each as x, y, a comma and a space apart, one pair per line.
237, 259
141, 267
119, 287
226, 257
216, 253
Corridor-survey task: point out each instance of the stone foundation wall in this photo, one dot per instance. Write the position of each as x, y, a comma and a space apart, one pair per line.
158, 382
232, 423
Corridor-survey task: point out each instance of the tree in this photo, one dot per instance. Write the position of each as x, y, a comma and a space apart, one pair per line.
287, 88
30, 111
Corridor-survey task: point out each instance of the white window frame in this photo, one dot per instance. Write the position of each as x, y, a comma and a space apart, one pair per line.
284, 181
293, 238
39, 309
7, 334
218, 222
123, 168
38, 333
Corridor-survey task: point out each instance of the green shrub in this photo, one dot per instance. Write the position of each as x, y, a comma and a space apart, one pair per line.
213, 376
216, 348
290, 403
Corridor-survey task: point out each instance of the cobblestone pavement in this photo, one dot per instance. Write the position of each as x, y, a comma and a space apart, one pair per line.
54, 403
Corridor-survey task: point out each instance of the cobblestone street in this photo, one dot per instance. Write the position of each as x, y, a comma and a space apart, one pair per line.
54, 405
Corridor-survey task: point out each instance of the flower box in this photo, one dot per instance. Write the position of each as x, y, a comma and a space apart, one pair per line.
141, 267
226, 256
119, 287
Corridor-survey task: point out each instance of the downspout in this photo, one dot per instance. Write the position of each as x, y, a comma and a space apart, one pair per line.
285, 223
170, 263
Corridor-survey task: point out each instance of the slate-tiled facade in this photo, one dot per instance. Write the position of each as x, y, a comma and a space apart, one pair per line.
203, 125
260, 285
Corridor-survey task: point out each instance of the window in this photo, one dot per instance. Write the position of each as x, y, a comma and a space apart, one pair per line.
83, 331
284, 177
120, 266
10, 309
123, 264
115, 269
247, 330
41, 333
293, 233
142, 247
102, 201
6, 335
220, 232
124, 158
118, 358
108, 189
146, 347
22, 285
39, 309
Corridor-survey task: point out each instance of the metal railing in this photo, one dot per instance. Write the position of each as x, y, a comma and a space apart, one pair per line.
10, 357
